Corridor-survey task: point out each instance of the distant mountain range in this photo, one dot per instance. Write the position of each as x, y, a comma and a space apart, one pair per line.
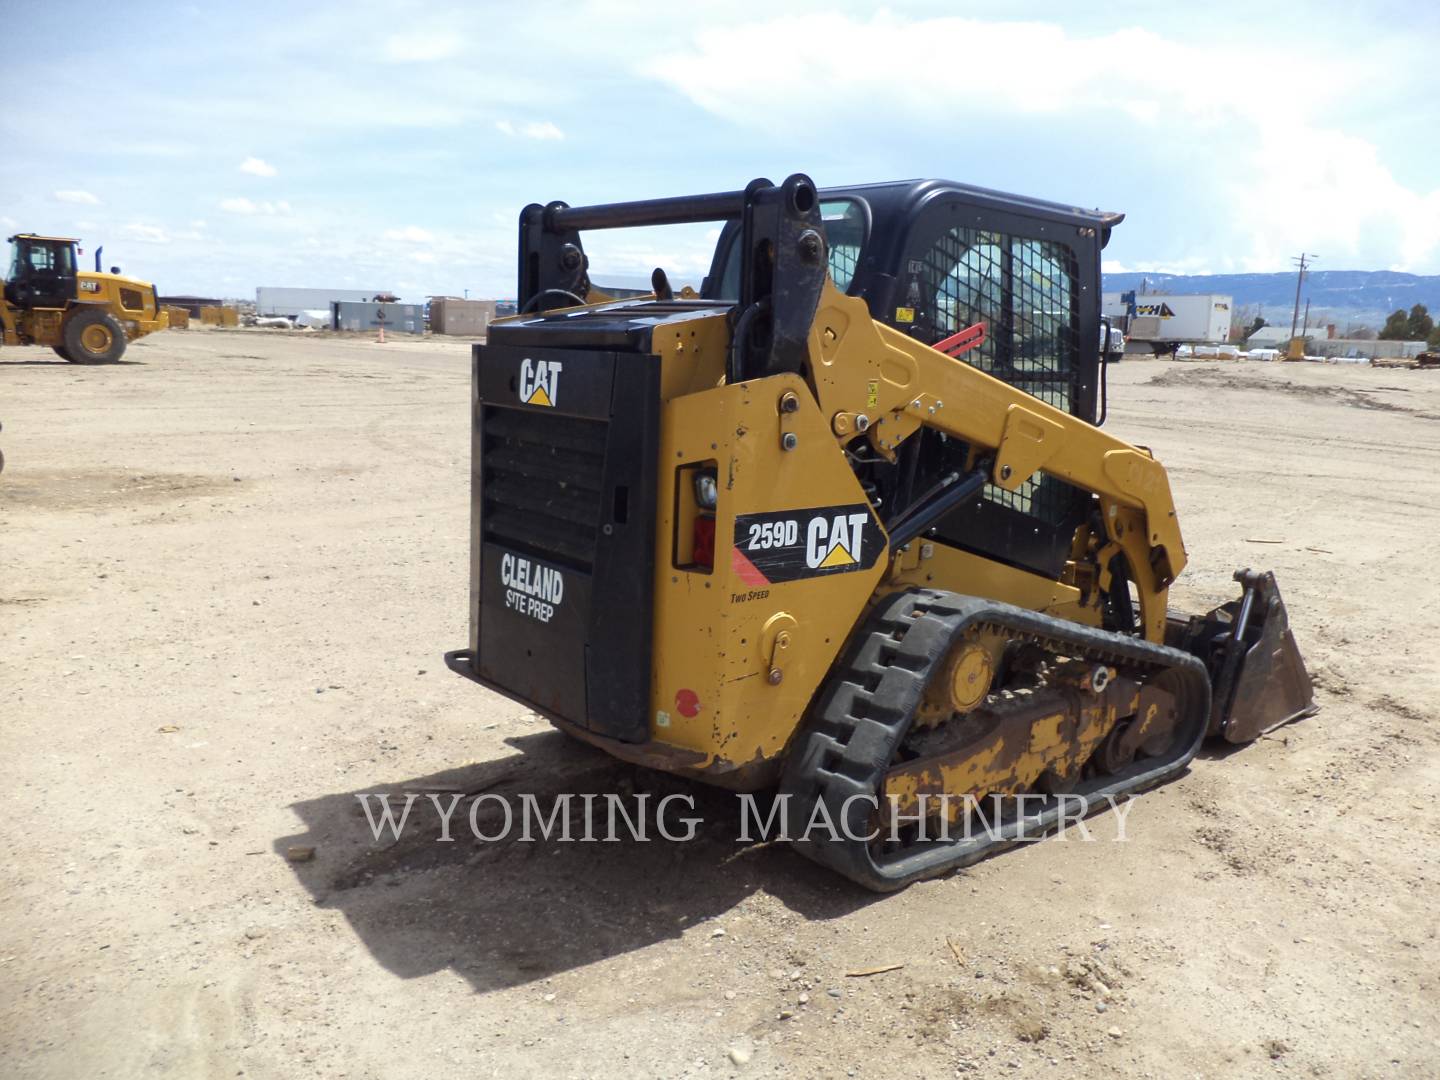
1359, 295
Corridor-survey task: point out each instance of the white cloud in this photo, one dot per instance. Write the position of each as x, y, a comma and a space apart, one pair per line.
257, 167
412, 233
540, 129
913, 71
249, 206
419, 47
8, 222
1266, 160
1344, 202
83, 197
683, 250
145, 234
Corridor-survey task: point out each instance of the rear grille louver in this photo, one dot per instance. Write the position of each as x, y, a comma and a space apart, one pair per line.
542, 483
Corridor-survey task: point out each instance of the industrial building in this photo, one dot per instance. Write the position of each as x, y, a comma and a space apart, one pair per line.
192, 304
1321, 341
271, 300
1270, 337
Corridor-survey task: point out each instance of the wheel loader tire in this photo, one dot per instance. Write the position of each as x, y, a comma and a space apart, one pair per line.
93, 337
63, 353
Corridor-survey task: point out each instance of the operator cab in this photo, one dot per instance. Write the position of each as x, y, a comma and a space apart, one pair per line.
42, 272
931, 257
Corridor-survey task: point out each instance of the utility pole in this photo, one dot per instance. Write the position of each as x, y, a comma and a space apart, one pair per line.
1303, 262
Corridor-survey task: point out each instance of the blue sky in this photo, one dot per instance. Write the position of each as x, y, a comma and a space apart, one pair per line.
215, 148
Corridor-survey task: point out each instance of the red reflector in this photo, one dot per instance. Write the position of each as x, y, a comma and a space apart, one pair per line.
705, 542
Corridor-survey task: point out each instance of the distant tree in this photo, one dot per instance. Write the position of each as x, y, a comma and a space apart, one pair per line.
1239, 319
1433, 341
1394, 328
1419, 325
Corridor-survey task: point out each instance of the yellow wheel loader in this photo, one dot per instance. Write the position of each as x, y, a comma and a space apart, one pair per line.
843, 524
86, 317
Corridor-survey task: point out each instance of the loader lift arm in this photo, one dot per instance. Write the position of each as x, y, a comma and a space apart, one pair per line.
917, 386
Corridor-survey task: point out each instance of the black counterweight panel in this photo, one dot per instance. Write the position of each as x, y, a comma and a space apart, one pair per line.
565, 490
533, 622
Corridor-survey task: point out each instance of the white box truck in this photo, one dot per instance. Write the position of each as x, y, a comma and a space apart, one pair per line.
1161, 323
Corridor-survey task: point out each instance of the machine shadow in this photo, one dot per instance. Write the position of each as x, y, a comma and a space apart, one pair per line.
507, 912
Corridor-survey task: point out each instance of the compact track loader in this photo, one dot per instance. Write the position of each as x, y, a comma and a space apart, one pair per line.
844, 523
87, 318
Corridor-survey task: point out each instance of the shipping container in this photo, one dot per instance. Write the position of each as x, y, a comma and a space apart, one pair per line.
192, 304
465, 318
395, 318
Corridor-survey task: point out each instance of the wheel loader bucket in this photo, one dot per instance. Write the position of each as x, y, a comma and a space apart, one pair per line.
1257, 678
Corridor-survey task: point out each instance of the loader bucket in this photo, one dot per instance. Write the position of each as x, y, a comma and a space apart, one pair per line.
1257, 678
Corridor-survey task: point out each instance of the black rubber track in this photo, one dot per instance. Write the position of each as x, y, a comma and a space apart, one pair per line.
873, 696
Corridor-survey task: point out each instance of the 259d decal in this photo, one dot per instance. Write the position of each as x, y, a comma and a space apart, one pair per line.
787, 545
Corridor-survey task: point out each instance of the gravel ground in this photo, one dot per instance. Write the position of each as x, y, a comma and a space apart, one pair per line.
231, 566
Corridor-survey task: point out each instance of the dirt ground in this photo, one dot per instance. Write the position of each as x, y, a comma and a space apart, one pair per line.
231, 565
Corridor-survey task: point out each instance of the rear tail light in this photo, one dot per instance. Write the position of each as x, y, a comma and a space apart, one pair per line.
697, 495
703, 555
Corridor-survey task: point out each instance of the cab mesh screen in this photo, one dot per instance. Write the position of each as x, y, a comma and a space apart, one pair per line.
1024, 291
843, 259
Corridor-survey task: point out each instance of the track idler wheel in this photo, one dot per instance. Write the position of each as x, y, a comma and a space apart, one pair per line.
1055, 783
1116, 751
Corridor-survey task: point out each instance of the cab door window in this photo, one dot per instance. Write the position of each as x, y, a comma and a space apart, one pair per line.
1022, 289
42, 273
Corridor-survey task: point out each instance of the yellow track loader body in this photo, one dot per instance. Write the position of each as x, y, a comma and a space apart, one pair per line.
844, 522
